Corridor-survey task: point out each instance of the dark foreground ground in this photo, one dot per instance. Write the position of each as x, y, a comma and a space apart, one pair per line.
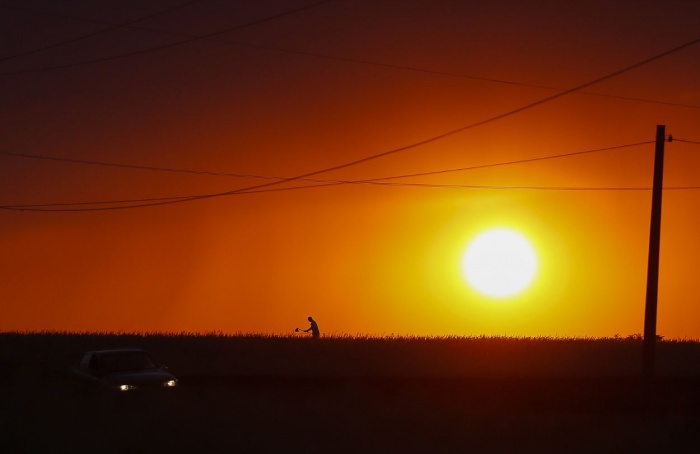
269, 410
359, 415
337, 416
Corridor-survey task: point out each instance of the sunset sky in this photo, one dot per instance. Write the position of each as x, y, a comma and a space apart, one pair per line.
158, 99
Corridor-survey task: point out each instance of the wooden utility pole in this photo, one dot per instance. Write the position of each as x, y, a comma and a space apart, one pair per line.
653, 267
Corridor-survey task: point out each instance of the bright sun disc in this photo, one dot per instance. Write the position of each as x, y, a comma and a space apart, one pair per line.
499, 263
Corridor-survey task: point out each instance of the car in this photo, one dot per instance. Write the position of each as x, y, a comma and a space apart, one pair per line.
124, 371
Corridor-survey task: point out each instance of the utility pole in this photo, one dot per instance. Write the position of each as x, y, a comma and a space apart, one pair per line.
653, 267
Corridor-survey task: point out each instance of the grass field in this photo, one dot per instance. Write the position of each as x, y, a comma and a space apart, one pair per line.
356, 394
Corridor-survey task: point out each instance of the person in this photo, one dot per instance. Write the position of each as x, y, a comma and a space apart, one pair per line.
313, 328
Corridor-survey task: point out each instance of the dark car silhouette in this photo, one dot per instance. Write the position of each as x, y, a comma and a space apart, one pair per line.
124, 371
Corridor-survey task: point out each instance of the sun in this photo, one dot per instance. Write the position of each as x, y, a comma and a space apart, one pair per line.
499, 263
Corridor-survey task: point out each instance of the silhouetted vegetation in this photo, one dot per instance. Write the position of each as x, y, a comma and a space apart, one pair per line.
36, 355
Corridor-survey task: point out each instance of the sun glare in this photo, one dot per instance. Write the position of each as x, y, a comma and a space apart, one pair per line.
499, 263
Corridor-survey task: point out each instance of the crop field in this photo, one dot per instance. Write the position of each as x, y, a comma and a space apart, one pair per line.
350, 394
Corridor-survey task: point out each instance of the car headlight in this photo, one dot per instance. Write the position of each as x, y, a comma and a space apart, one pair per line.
170, 383
126, 387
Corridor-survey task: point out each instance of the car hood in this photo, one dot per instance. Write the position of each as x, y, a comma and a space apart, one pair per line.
155, 377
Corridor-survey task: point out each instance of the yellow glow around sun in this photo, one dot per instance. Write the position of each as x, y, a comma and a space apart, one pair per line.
500, 263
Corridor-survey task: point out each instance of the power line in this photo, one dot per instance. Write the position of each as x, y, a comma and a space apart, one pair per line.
376, 181
338, 58
167, 46
479, 123
425, 141
452, 74
521, 161
46, 206
136, 166
92, 35
455, 131
267, 177
28, 207
686, 141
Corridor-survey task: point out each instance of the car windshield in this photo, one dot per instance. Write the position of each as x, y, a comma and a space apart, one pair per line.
125, 361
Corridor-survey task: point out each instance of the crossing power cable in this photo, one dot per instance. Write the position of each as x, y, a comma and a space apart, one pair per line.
337, 58
46, 206
415, 144
278, 178
97, 33
376, 181
163, 46
454, 74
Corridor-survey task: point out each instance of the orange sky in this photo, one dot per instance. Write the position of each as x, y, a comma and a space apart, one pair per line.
325, 86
